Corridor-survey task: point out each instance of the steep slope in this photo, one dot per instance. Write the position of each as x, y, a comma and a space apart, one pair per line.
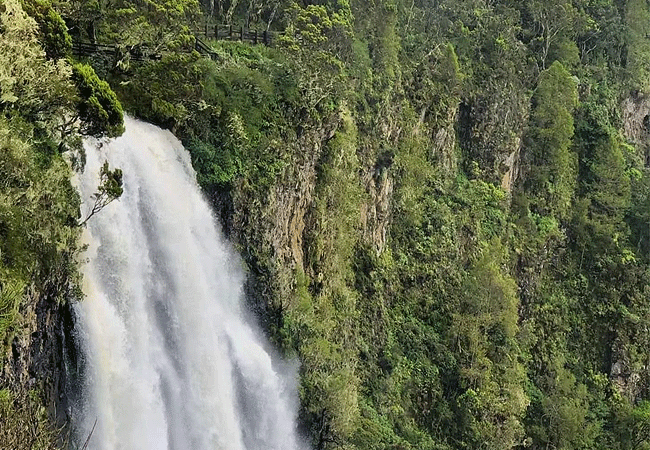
442, 205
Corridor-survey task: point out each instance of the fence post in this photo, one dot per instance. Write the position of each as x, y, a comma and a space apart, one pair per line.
230, 33
241, 34
255, 37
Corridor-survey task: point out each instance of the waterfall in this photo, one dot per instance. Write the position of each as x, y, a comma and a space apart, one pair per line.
171, 361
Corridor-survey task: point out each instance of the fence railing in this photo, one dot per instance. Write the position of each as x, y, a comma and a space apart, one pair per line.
233, 33
142, 53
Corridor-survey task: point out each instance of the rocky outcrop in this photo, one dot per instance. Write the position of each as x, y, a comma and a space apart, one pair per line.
512, 170
375, 214
627, 381
270, 232
38, 353
635, 112
490, 131
444, 144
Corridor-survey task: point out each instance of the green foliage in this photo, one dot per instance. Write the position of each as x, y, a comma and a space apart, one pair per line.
637, 15
566, 52
40, 89
451, 242
553, 164
38, 212
109, 189
435, 367
25, 425
609, 191
318, 24
318, 39
232, 115
565, 412
484, 333
158, 24
217, 168
54, 37
39, 208
99, 109
166, 92
320, 329
11, 295
639, 428
606, 188
43, 90
436, 84
555, 21
637, 215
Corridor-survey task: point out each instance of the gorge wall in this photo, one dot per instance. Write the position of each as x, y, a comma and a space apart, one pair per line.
442, 206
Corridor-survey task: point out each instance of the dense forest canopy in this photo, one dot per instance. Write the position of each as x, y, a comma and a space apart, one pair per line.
443, 205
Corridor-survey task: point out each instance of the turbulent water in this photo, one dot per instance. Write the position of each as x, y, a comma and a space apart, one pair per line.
171, 361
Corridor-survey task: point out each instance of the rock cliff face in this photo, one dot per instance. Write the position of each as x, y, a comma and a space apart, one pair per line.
635, 112
375, 213
490, 132
269, 227
272, 228
38, 355
445, 141
630, 378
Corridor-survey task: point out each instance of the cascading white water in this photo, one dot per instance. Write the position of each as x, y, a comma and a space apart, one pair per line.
170, 360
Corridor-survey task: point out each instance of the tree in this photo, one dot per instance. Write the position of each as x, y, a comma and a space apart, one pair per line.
554, 19
318, 38
53, 36
38, 88
640, 426
484, 334
161, 24
43, 90
637, 16
110, 188
99, 109
553, 164
601, 232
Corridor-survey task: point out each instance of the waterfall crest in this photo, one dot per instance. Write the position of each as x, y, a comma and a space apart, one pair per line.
171, 362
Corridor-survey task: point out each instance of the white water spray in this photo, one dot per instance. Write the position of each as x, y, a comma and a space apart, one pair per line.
171, 362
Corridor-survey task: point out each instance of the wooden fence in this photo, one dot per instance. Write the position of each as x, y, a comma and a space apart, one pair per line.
142, 53
135, 53
204, 49
232, 33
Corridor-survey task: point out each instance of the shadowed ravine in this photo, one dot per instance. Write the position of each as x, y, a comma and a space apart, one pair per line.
171, 362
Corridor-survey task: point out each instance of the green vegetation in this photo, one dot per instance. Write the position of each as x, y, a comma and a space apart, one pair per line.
47, 103
25, 425
440, 208
109, 189
99, 110
553, 165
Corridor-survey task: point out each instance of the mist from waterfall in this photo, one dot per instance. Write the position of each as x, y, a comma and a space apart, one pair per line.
171, 361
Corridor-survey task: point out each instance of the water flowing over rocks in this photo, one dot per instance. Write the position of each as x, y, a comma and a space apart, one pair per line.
172, 361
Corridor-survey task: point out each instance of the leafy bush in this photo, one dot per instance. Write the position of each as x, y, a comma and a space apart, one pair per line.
25, 425
54, 37
99, 109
